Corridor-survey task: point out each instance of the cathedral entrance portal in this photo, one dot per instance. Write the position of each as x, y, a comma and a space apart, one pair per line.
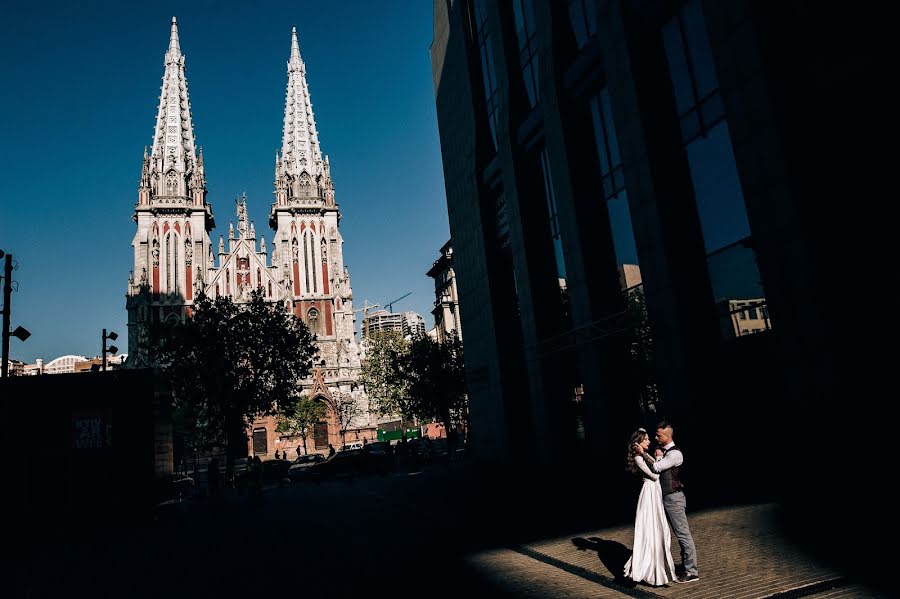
321, 435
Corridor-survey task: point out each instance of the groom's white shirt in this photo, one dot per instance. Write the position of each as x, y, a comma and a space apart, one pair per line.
670, 460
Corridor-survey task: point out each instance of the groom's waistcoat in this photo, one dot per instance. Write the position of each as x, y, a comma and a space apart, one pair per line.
670, 480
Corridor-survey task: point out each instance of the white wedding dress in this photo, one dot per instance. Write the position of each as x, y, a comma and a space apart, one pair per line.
651, 558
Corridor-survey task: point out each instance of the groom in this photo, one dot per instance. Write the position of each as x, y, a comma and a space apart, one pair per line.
673, 497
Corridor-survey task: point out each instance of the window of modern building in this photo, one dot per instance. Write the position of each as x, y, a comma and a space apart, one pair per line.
501, 221
717, 189
612, 179
526, 34
553, 213
583, 15
731, 260
611, 171
488, 75
693, 71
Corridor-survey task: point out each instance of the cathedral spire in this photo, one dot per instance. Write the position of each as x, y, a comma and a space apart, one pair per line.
174, 156
300, 142
174, 49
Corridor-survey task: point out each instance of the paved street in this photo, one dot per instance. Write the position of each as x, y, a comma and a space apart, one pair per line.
413, 532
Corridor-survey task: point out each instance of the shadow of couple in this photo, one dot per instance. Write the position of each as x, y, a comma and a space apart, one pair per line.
612, 554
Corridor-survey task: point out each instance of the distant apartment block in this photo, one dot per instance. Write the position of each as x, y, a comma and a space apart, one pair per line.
408, 324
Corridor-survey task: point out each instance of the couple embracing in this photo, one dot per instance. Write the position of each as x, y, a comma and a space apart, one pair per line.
660, 504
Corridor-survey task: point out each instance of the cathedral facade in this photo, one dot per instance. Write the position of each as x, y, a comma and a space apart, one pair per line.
175, 259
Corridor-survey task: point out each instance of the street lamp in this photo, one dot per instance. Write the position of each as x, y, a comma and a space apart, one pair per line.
112, 336
20, 333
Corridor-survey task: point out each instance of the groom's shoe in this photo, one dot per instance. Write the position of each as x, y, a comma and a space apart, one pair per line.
687, 578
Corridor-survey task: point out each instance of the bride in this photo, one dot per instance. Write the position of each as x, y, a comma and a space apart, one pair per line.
651, 558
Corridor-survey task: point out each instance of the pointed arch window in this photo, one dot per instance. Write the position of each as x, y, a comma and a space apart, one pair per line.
171, 262
168, 262
312, 254
312, 319
306, 258
171, 184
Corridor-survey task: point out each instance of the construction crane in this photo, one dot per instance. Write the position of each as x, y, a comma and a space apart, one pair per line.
390, 304
365, 310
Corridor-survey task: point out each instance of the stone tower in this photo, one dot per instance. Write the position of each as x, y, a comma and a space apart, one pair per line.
308, 248
172, 248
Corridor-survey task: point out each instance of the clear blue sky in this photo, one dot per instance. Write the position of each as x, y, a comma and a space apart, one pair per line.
81, 83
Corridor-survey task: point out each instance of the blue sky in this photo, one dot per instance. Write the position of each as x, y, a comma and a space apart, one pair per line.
81, 85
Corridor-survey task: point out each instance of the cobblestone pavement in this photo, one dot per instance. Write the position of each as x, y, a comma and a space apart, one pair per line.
741, 555
434, 531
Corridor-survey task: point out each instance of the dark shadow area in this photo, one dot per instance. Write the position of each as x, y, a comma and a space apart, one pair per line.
612, 553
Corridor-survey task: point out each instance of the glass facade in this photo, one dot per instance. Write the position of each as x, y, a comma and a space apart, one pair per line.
488, 75
553, 213
526, 34
612, 179
731, 260
583, 16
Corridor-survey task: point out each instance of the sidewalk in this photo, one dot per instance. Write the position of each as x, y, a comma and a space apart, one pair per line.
741, 554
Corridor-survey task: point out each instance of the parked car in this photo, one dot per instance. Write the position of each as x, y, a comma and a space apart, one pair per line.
352, 445
380, 457
344, 464
303, 463
273, 472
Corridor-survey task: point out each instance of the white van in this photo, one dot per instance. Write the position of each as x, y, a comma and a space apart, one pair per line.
352, 445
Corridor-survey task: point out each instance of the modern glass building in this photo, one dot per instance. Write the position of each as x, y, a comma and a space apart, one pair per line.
637, 194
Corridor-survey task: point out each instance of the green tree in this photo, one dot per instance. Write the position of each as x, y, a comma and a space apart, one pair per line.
346, 409
297, 418
387, 388
229, 363
641, 351
434, 374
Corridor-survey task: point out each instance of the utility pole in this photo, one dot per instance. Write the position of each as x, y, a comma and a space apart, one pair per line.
7, 294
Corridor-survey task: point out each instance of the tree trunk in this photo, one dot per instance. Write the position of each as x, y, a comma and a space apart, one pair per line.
234, 435
451, 436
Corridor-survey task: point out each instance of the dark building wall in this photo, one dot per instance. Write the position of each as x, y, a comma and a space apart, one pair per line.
747, 184
89, 444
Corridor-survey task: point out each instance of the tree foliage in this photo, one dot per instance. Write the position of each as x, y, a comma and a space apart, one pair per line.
346, 409
297, 418
229, 363
417, 378
436, 380
385, 385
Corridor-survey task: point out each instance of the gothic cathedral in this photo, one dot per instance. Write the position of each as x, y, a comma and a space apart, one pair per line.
174, 258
